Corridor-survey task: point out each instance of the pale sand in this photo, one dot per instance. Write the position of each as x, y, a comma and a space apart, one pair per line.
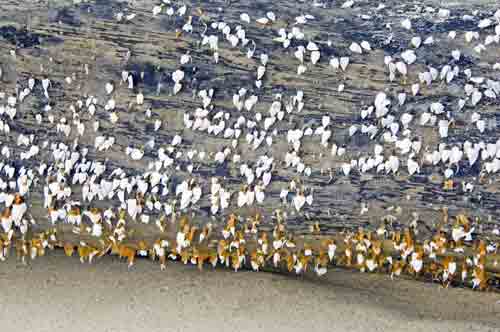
57, 293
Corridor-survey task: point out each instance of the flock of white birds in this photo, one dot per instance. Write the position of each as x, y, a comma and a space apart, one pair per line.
70, 174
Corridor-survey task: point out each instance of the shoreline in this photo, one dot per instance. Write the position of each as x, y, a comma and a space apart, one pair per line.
57, 293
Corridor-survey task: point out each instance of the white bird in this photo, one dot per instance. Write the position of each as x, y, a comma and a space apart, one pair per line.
443, 128
177, 76
348, 4
366, 45
315, 56
271, 16
481, 125
299, 53
31, 83
298, 201
245, 17
185, 58
301, 69
134, 153
413, 167
406, 119
484, 23
157, 9
409, 56
176, 140
416, 41
140, 98
182, 10
476, 97
260, 72
157, 124
355, 48
109, 88
344, 62
346, 168
406, 23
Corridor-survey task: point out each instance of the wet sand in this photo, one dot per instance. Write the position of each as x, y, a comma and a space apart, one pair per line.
56, 293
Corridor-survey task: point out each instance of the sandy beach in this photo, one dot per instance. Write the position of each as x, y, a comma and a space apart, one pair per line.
56, 293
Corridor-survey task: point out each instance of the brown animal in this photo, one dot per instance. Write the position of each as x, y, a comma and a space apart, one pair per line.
347, 259
304, 260
256, 260
69, 249
408, 239
322, 260
479, 281
290, 262
199, 257
213, 258
397, 268
159, 250
126, 251
238, 258
448, 185
5, 241
22, 249
205, 233
37, 246
86, 252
